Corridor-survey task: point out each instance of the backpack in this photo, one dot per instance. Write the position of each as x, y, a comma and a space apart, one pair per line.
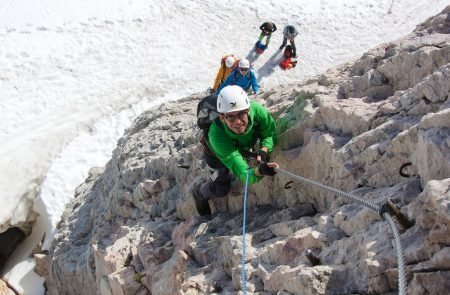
207, 113
288, 63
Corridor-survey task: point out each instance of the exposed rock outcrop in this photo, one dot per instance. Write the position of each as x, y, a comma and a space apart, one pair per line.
4, 289
133, 229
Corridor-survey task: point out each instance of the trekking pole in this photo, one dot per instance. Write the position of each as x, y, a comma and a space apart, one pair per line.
383, 211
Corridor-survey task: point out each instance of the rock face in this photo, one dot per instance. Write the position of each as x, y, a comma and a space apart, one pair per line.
378, 128
4, 289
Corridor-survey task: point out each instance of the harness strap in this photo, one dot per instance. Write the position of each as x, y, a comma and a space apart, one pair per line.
205, 146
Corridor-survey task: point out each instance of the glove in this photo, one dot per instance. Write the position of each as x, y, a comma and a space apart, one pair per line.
264, 169
262, 154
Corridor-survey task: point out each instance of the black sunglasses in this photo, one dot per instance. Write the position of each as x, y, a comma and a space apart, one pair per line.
241, 115
243, 69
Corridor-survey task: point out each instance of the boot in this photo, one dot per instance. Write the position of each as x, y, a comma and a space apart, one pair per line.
201, 205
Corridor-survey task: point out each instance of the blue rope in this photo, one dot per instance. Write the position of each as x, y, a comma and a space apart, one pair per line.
243, 276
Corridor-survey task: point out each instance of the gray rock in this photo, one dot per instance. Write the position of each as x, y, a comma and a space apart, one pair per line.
377, 128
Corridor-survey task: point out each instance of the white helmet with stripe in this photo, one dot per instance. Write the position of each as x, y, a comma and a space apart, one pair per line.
231, 99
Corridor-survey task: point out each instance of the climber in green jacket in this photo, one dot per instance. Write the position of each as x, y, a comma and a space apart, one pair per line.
231, 138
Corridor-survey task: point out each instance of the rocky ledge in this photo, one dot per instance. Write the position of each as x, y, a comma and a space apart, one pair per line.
378, 127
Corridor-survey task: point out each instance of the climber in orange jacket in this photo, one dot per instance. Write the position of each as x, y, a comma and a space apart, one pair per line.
289, 61
227, 65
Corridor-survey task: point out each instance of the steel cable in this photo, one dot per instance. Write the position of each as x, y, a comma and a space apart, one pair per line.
331, 189
400, 255
374, 207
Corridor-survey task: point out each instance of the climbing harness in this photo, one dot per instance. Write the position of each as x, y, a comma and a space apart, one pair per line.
243, 275
385, 212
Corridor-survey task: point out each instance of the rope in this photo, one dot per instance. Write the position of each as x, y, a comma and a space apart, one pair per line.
243, 275
374, 207
400, 256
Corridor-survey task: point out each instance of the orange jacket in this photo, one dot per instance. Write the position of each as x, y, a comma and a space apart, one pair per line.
288, 63
223, 72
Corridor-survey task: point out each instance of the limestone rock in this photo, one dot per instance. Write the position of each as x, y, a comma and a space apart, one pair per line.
4, 289
42, 264
169, 278
125, 281
430, 283
377, 128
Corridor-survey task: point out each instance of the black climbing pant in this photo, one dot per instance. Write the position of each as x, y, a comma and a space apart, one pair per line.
219, 183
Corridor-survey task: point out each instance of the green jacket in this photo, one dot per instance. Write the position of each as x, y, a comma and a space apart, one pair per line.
227, 145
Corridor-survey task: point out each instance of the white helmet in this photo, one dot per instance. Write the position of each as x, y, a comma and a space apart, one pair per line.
231, 99
229, 61
244, 63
